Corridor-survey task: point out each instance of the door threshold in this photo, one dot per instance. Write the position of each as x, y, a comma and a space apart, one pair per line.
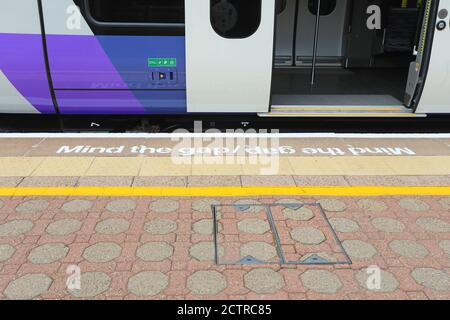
340, 111
339, 115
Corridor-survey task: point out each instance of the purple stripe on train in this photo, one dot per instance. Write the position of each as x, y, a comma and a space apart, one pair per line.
22, 62
111, 74
118, 102
98, 102
79, 62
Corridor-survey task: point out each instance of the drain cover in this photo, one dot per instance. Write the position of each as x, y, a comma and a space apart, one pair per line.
315, 259
250, 260
298, 234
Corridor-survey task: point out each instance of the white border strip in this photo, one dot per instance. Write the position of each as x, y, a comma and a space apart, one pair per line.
221, 135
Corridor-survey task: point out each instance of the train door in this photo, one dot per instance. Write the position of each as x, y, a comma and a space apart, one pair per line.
352, 57
229, 55
117, 57
435, 97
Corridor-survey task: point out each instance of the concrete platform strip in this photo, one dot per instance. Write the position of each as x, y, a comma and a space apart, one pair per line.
209, 166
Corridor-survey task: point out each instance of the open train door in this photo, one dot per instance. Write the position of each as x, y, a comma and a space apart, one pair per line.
435, 98
229, 55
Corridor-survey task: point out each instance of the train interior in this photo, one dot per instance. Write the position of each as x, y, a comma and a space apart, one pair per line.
345, 55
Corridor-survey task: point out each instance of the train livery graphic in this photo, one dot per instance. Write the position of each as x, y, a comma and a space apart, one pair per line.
273, 58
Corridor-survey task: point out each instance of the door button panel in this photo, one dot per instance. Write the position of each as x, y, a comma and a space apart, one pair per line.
441, 25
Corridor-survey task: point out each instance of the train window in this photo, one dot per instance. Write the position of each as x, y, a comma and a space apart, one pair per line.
327, 7
138, 11
236, 19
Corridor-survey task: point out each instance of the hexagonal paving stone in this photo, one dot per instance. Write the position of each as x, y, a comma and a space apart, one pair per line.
253, 226
302, 214
264, 281
414, 205
32, 206
409, 249
27, 287
344, 225
64, 227
359, 249
388, 282
308, 235
262, 251
204, 205
204, 251
92, 284
432, 278
155, 251
433, 224
15, 228
6, 252
102, 252
77, 206
333, 205
148, 283
164, 206
445, 246
121, 206
321, 281
388, 225
205, 226
112, 226
445, 203
254, 206
48, 253
160, 227
372, 205
206, 282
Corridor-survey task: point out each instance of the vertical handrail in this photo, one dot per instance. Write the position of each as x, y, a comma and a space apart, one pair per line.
316, 42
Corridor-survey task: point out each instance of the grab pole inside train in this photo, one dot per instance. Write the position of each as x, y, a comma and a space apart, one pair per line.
316, 42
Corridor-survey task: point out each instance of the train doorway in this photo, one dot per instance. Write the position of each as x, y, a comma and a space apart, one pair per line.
347, 56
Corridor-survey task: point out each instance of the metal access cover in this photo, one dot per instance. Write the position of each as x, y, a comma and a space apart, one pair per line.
282, 233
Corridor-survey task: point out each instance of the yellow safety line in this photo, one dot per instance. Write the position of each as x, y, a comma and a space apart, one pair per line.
342, 191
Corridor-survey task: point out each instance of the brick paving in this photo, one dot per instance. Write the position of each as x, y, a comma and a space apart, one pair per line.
162, 248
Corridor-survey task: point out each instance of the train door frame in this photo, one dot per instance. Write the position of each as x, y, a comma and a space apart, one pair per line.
431, 96
427, 35
228, 75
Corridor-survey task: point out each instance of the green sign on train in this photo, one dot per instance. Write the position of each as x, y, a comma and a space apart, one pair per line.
162, 62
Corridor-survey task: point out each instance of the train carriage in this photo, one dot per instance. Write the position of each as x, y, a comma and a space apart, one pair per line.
271, 58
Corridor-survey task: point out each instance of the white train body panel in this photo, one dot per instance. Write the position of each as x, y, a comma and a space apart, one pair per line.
436, 95
228, 75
